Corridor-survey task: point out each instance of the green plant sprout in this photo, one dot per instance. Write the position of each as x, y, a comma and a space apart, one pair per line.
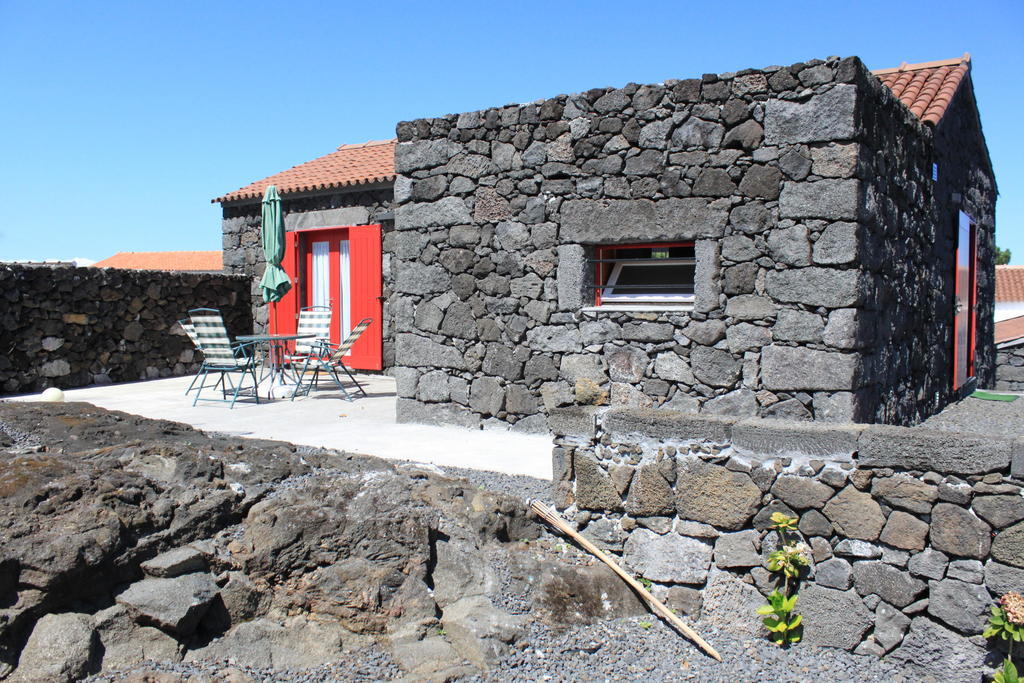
1007, 623
783, 626
645, 624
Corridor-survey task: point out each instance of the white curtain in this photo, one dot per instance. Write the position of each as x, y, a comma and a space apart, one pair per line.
321, 275
346, 323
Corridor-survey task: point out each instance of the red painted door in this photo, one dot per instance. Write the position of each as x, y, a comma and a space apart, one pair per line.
366, 285
341, 268
963, 316
282, 316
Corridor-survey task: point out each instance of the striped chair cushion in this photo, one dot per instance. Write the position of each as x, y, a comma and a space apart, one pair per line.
351, 339
314, 320
213, 338
190, 330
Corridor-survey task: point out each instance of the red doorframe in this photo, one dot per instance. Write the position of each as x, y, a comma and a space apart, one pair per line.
334, 237
365, 287
965, 321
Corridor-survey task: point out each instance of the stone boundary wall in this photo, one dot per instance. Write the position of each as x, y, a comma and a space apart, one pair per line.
1010, 368
912, 532
72, 327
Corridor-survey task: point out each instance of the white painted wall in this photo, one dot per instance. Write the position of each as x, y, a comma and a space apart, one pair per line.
1009, 309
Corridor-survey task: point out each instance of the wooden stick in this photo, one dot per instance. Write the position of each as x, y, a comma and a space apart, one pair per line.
658, 607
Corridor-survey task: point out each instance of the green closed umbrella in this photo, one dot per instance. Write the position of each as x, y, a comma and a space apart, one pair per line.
275, 283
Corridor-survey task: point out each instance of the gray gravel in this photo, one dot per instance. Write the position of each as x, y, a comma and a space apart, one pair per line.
365, 664
520, 486
973, 415
644, 649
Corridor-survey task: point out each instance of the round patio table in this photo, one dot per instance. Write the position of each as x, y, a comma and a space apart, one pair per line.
275, 356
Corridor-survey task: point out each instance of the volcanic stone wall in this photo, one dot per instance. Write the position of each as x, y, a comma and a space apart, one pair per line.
911, 533
1010, 368
497, 212
909, 225
243, 247
71, 327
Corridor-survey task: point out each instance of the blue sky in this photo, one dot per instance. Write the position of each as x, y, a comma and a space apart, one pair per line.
121, 120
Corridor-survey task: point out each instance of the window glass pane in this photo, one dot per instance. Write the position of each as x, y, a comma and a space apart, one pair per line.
667, 274
321, 274
646, 274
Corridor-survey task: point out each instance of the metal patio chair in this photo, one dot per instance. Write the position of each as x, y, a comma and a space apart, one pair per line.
190, 330
221, 357
314, 320
330, 363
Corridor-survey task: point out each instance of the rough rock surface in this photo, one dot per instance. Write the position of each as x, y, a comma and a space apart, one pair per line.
714, 495
173, 605
931, 651
820, 606
61, 648
244, 538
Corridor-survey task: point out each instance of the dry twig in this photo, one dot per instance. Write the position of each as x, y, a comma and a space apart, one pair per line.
658, 607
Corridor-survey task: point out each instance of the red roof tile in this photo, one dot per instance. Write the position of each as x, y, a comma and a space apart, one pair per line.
1009, 283
368, 162
1010, 330
926, 88
164, 260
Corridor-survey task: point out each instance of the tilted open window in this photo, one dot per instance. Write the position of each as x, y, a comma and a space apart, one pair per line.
645, 275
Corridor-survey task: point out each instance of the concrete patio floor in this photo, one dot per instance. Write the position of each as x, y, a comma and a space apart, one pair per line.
365, 425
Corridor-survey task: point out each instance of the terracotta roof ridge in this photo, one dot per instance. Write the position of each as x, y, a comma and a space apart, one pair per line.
965, 60
349, 165
368, 143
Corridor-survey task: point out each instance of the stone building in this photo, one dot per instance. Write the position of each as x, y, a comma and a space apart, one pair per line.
1010, 354
336, 208
808, 242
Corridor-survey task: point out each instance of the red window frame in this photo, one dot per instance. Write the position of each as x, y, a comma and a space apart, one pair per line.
965, 224
602, 250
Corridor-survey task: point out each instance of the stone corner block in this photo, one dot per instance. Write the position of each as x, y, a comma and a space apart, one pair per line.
667, 424
916, 448
1017, 458
574, 421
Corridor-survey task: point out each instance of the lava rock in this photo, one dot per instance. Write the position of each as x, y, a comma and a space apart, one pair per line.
802, 492
855, 514
957, 532
173, 605
670, 558
820, 607
834, 573
738, 550
887, 582
930, 651
904, 530
61, 648
1008, 546
175, 563
715, 495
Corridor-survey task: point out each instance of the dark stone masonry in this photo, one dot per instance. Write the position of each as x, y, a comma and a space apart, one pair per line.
911, 532
71, 327
824, 251
1010, 368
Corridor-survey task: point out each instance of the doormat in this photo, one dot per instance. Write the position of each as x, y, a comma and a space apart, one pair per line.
989, 396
